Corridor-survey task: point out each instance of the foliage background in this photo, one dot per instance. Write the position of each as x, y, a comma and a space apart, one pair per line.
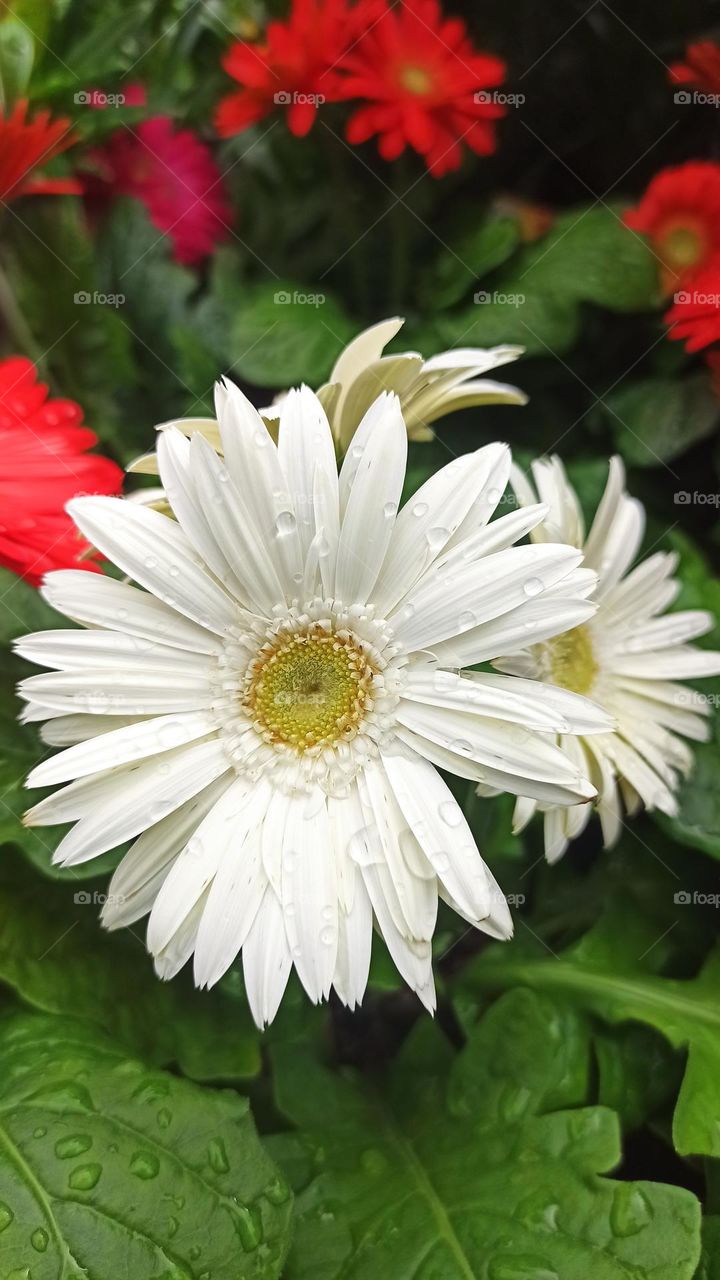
561, 1118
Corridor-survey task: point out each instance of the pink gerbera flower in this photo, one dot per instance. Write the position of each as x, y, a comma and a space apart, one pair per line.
174, 175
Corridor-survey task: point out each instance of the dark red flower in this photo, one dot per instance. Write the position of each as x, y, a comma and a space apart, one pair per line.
425, 86
695, 313
43, 463
701, 67
174, 175
680, 215
294, 67
24, 145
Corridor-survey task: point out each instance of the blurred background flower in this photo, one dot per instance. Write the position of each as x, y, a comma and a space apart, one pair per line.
44, 461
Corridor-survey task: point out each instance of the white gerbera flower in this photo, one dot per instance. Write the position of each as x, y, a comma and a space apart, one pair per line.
627, 658
266, 715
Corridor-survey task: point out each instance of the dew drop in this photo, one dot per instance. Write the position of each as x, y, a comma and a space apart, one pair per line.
373, 1162
467, 619
327, 937
450, 813
533, 587
39, 1132
419, 509
631, 1210
74, 1145
248, 1227
277, 1191
172, 1227
520, 1267
437, 537
6, 1215
285, 524
85, 1177
390, 510
39, 1240
217, 1156
144, 1165
164, 1117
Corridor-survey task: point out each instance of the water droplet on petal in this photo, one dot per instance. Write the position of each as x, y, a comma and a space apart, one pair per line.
285, 524
533, 587
451, 813
437, 537
419, 509
390, 510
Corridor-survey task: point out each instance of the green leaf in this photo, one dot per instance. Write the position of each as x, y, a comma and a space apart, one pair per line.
542, 324
591, 256
287, 333
17, 52
709, 1268
458, 268
109, 1168
56, 956
609, 973
657, 419
485, 1165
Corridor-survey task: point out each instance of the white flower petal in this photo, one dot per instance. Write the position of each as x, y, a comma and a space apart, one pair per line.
136, 796
266, 960
101, 602
372, 503
309, 893
444, 605
440, 826
121, 746
429, 519
194, 869
304, 442
154, 551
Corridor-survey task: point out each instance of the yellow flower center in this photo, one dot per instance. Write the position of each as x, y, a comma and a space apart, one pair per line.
416, 80
682, 247
310, 689
572, 662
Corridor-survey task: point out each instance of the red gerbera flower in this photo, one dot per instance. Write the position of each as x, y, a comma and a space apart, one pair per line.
680, 214
426, 85
43, 463
695, 313
174, 175
25, 144
292, 67
701, 67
